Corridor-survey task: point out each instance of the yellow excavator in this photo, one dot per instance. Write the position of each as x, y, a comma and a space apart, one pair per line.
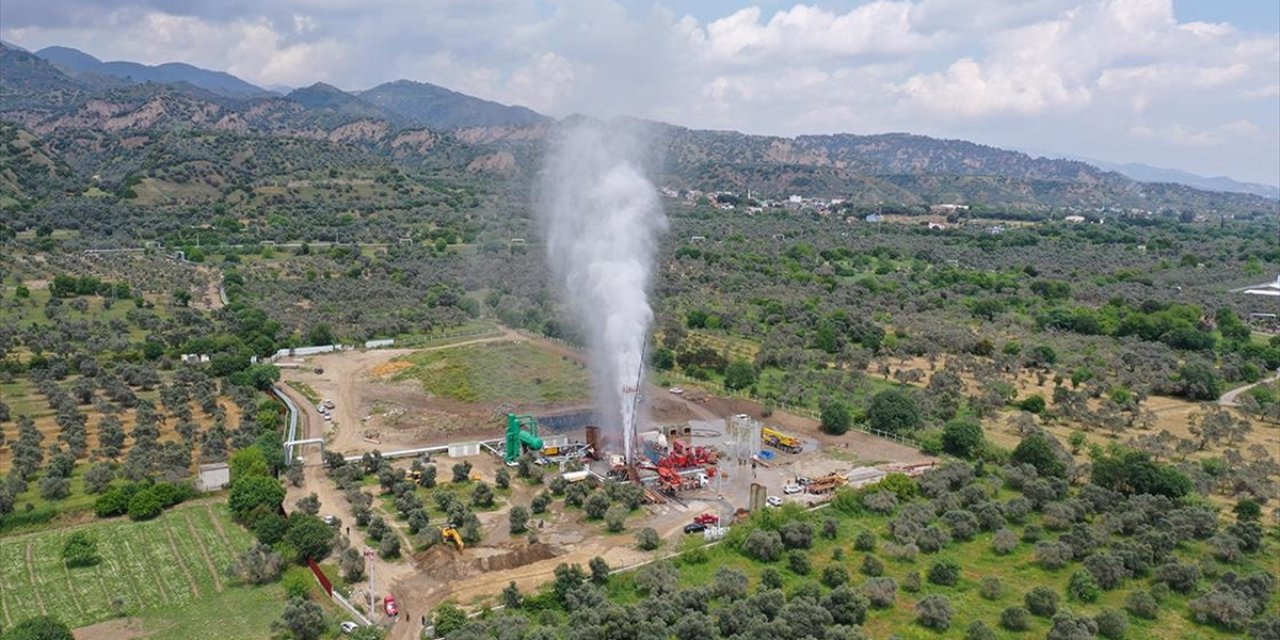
450, 533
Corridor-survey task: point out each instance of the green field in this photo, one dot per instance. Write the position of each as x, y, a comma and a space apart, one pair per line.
498, 372
168, 572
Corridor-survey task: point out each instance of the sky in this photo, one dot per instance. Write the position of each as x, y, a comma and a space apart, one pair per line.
1186, 84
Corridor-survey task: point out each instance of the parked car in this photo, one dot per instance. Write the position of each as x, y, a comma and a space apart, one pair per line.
389, 604
349, 627
695, 527
773, 501
676, 390
707, 518
792, 489
330, 519
802, 481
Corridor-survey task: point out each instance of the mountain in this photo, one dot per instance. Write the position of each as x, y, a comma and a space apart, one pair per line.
325, 97
428, 105
77, 63
27, 81
1148, 173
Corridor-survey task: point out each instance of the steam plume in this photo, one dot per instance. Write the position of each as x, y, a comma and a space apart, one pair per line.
602, 219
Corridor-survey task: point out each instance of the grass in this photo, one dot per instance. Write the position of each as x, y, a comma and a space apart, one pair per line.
512, 372
158, 570
306, 390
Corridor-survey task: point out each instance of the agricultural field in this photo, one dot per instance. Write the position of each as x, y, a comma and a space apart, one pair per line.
512, 372
168, 572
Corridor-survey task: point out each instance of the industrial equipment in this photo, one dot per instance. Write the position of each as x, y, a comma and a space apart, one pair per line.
780, 440
450, 533
522, 432
827, 483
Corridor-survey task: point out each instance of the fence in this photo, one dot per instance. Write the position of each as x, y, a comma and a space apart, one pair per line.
419, 340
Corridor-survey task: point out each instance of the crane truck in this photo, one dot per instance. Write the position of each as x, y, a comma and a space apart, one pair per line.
780, 440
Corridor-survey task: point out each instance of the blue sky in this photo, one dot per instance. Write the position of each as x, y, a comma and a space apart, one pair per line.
1187, 84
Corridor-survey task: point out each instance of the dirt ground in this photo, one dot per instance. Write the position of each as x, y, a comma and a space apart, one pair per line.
118, 629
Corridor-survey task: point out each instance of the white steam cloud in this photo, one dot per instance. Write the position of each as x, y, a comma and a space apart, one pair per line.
602, 219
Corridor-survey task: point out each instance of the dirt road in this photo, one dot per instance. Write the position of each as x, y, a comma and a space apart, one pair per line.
1231, 398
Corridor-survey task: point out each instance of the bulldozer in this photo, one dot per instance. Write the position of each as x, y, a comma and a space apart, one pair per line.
450, 533
780, 440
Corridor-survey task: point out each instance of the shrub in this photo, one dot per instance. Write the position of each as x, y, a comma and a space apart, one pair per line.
1042, 601
1179, 576
880, 501
518, 519
944, 573
1015, 619
911, 582
979, 631
762, 545
615, 518
1083, 586
1070, 627
847, 605
797, 535
80, 550
1142, 605
540, 502
881, 592
991, 588
647, 539
482, 496
145, 505
798, 562
835, 575
865, 541
934, 612
872, 566
1004, 542
1111, 624
297, 582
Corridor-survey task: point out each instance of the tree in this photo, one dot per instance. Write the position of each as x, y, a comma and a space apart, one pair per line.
962, 438
1015, 619
647, 539
1036, 450
249, 492
258, 564
303, 619
1070, 627
502, 479
1199, 381
894, 411
596, 505
462, 472
1083, 586
352, 564
798, 562
80, 550
935, 612
321, 335
145, 505
739, 375
730, 584
40, 628
835, 575
762, 545
98, 478
836, 418
447, 618
310, 536
309, 504
615, 518
1042, 601
482, 496
945, 573
518, 519
881, 592
389, 547
599, 570
1112, 624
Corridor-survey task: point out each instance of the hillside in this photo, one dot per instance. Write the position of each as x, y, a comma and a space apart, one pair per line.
76, 63
434, 107
88, 119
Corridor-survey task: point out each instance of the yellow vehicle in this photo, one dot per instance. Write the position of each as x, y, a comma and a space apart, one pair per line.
450, 533
827, 484
780, 440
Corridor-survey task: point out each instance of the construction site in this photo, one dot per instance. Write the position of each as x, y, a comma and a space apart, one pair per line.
703, 462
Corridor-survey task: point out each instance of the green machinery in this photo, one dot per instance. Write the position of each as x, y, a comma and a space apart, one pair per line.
522, 431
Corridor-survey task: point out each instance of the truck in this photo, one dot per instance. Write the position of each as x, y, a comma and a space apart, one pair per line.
779, 440
827, 483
